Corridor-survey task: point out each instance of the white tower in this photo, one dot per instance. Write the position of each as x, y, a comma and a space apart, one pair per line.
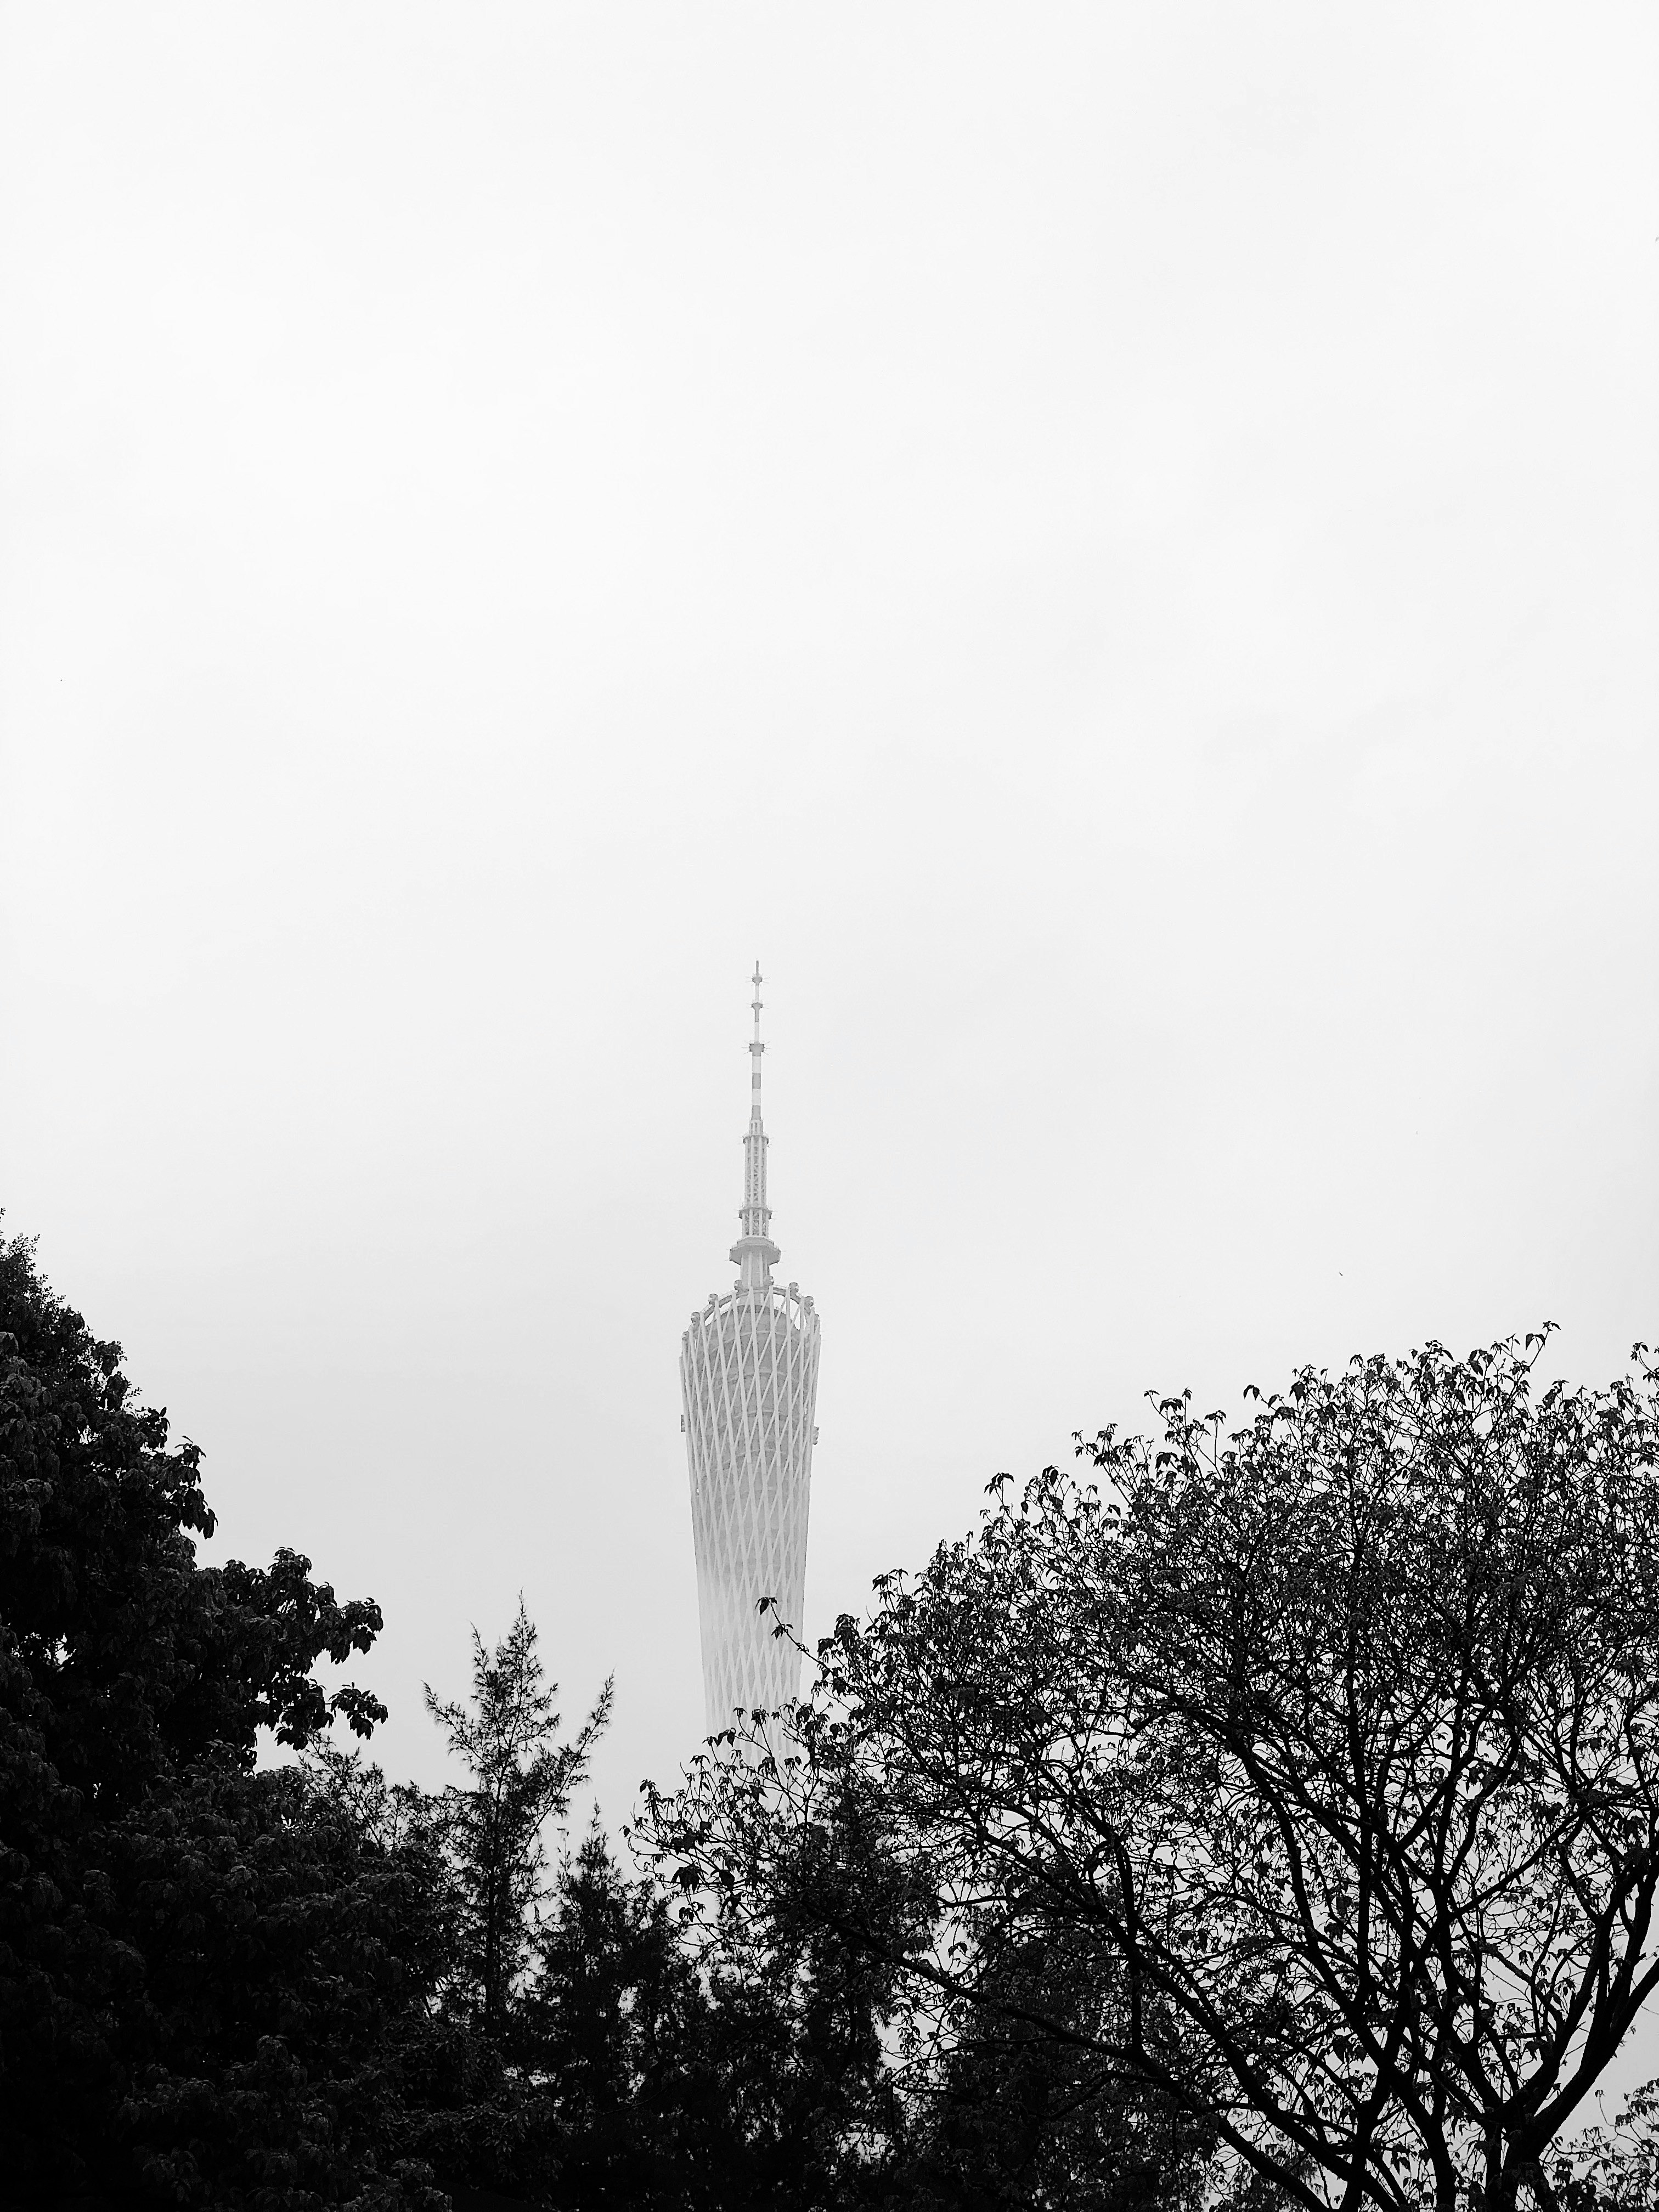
749, 1379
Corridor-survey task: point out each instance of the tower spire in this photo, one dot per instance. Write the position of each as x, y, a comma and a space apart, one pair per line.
749, 1379
755, 1254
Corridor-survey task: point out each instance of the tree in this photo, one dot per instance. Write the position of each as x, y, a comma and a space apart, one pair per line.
613, 2031
1328, 1749
821, 1927
199, 1966
284, 1969
522, 1778
228, 1984
1021, 2109
784, 2095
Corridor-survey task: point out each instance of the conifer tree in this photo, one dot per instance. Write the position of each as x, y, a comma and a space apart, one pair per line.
521, 1779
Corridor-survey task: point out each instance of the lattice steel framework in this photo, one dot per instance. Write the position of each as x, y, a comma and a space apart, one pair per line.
749, 1379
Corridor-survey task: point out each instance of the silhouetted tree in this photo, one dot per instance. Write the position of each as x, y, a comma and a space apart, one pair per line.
803, 2021
1327, 1750
522, 1777
1277, 1822
198, 1965
1022, 2108
806, 1902
646, 2058
613, 2028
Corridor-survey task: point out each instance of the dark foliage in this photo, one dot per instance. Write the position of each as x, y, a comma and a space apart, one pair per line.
1017, 2114
802, 1890
1279, 1826
633, 2056
1315, 1766
195, 1973
521, 1778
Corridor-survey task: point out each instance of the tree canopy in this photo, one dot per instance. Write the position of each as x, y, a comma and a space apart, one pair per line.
522, 1775
161, 1909
1262, 1815
230, 1984
1312, 1768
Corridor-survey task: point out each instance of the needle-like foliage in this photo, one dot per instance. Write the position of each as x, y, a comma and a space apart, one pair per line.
521, 1779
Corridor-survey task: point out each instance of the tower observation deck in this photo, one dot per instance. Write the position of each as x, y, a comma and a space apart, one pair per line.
749, 1381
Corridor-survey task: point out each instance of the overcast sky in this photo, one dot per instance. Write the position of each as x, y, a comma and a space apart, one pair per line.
1114, 549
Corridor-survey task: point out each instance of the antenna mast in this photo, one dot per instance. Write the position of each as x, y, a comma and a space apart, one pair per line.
754, 1254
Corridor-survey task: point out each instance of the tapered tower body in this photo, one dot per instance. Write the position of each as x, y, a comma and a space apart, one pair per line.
748, 1382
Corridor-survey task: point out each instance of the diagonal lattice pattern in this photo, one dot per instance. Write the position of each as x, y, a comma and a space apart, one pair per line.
748, 1379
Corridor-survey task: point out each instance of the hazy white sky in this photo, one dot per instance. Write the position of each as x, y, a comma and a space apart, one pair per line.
1115, 549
